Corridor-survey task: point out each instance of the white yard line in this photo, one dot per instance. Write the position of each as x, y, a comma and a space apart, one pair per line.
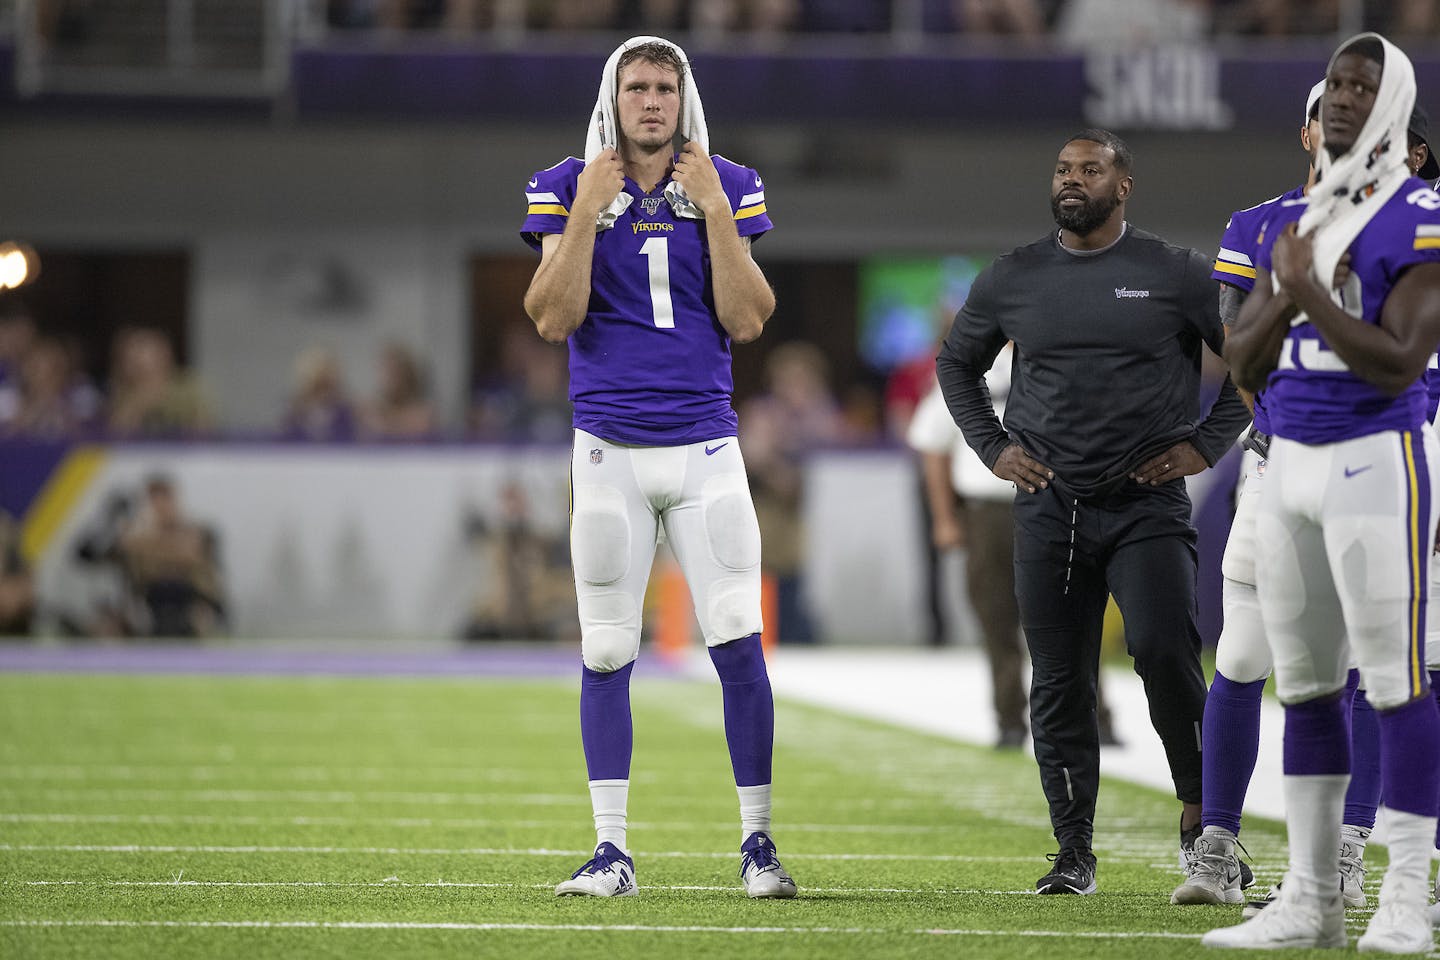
430, 823
506, 851
172, 884
599, 928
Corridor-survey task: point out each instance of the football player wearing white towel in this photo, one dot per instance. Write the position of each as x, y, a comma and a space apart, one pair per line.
649, 296
1346, 525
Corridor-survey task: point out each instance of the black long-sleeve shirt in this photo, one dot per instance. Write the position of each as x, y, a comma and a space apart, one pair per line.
1107, 358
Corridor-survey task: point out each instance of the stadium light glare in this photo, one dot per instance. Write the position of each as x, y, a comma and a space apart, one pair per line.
18, 265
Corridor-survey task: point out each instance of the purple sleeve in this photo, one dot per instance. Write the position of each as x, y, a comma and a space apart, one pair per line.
548, 196
747, 197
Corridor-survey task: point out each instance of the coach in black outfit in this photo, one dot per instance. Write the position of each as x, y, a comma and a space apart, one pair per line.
1103, 424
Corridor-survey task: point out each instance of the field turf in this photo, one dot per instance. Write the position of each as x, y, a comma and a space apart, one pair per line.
191, 816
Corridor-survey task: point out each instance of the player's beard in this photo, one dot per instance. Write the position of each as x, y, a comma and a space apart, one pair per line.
1086, 218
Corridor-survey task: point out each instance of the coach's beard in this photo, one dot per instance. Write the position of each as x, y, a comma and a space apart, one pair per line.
1086, 218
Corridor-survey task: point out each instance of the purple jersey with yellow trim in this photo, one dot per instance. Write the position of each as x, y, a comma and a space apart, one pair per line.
650, 365
1312, 396
1235, 263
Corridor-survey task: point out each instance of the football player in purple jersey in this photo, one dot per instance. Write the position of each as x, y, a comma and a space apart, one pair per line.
649, 289
1345, 526
1231, 731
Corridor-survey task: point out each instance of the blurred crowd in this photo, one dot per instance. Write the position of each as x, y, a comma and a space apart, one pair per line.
1062, 19
47, 391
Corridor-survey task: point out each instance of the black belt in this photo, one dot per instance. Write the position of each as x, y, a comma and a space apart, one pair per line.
1257, 442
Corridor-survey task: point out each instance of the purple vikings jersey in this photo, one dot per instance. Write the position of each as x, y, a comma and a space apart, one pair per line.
1235, 263
1312, 396
650, 365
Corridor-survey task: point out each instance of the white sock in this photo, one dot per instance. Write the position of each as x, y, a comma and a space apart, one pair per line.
754, 809
1410, 838
608, 799
1314, 806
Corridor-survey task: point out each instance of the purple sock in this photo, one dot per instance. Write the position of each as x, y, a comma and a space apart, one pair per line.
605, 728
1230, 735
1409, 742
749, 708
1315, 741
1363, 794
1435, 691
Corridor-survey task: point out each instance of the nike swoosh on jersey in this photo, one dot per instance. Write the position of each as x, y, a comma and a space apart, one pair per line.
1350, 473
535, 182
711, 451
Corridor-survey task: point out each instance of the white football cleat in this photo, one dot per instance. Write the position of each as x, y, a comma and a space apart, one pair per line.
760, 869
1398, 926
1212, 870
1289, 921
1352, 865
610, 873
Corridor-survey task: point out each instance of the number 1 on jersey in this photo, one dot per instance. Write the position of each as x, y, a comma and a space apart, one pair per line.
657, 251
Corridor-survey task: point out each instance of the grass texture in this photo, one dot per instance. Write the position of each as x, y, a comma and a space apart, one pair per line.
192, 816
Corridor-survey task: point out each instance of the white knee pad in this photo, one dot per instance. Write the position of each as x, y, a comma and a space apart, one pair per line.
600, 535
1243, 654
1238, 561
732, 609
609, 630
731, 530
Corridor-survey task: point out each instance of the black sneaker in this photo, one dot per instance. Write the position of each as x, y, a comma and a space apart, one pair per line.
1074, 872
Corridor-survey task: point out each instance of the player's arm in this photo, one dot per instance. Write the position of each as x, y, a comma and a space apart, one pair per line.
968, 353
743, 298
1231, 299
1252, 345
1390, 355
560, 290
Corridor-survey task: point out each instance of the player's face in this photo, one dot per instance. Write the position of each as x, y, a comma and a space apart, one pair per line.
1350, 91
1087, 187
647, 102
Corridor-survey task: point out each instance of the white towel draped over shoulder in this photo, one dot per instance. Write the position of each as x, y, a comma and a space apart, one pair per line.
604, 129
1352, 187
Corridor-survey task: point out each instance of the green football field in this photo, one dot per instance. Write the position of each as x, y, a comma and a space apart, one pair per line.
158, 817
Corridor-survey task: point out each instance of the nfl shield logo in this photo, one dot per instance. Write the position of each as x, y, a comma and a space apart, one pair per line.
651, 204
596, 455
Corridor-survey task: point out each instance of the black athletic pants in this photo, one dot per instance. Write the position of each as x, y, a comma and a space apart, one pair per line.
1070, 554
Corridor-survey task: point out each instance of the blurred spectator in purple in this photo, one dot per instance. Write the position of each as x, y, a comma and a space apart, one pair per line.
149, 395
401, 409
526, 400
17, 333
320, 407
54, 401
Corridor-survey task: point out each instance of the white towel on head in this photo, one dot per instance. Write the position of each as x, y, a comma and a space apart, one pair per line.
1352, 187
604, 130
